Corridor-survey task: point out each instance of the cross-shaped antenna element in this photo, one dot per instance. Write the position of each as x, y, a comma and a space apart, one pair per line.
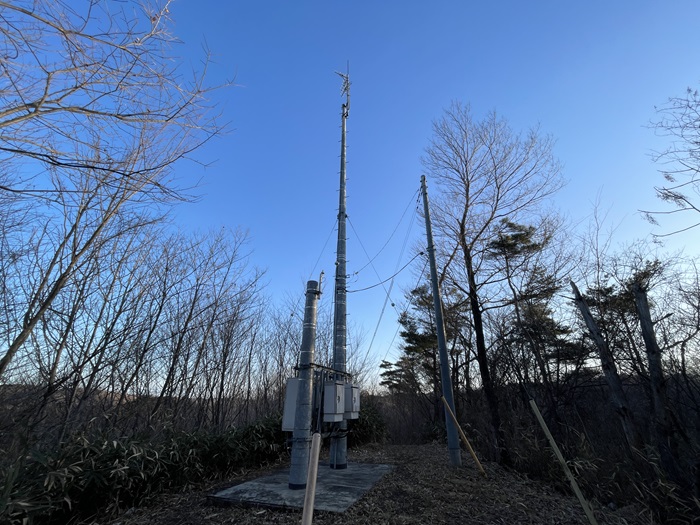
346, 83
345, 90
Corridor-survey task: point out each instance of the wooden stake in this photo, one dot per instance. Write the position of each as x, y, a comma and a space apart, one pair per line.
463, 436
560, 457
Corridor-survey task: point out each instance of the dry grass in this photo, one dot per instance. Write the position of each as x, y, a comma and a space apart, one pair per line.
422, 489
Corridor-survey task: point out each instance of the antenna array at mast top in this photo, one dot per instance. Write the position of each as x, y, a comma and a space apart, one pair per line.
345, 90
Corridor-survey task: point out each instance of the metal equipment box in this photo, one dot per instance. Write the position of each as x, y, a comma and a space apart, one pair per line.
290, 404
333, 401
352, 401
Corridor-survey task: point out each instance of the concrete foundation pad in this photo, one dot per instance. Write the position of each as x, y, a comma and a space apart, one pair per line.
336, 490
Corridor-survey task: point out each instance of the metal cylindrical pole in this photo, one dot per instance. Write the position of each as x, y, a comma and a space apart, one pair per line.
339, 443
445, 377
463, 435
301, 437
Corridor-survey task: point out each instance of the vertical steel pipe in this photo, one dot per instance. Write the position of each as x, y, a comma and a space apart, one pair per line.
301, 437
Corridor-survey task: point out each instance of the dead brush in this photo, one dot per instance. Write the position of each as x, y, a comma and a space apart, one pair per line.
669, 502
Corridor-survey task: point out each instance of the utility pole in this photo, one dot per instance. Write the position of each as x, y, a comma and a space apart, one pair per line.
302, 421
339, 442
445, 377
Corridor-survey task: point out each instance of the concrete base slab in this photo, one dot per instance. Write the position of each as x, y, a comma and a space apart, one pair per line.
336, 490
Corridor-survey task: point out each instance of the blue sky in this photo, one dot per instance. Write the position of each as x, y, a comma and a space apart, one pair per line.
588, 73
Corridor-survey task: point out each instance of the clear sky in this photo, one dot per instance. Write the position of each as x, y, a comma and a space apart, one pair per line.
589, 73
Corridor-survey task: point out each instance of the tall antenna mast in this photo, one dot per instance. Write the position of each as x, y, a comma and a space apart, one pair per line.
338, 452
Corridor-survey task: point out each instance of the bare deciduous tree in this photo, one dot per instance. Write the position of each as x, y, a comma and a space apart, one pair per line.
679, 121
486, 173
94, 116
93, 88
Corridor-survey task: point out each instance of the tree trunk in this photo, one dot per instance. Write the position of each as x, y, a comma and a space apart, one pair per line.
661, 427
617, 394
481, 357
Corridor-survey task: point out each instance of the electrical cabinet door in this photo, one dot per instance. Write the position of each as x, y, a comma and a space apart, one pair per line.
290, 404
333, 401
352, 401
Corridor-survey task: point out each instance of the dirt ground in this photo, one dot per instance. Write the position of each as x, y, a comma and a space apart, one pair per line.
422, 488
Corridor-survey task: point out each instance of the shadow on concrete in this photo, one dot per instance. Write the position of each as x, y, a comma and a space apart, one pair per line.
336, 490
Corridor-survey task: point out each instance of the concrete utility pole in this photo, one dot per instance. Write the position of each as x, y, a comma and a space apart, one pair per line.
445, 377
338, 452
302, 420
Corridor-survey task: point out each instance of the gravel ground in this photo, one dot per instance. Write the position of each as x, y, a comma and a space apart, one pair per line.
422, 488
